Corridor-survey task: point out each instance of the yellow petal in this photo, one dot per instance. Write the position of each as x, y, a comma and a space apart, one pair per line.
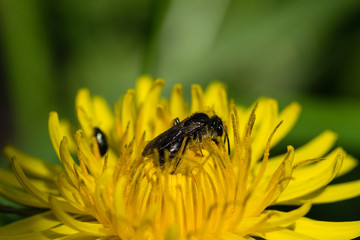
289, 116
348, 164
71, 195
313, 177
67, 162
94, 229
21, 197
285, 218
30, 236
44, 186
119, 205
12, 189
143, 86
197, 99
103, 115
286, 234
216, 98
85, 111
280, 179
102, 207
163, 119
60, 232
266, 121
260, 112
251, 224
55, 132
68, 207
148, 124
270, 189
8, 178
128, 114
26, 184
67, 131
327, 230
38, 222
333, 193
84, 153
32, 165
177, 104
317, 147
314, 149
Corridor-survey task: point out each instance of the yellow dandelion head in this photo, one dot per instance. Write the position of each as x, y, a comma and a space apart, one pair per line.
108, 187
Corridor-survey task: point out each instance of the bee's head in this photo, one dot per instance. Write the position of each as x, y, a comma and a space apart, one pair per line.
217, 126
218, 130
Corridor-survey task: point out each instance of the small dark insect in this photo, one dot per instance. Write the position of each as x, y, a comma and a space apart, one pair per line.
101, 141
195, 128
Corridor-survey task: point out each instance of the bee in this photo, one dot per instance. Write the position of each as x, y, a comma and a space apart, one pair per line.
194, 128
101, 141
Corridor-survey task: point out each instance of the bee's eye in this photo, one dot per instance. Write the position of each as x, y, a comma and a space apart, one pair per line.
217, 125
219, 129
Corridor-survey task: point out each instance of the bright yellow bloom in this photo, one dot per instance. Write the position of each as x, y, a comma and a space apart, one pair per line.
123, 195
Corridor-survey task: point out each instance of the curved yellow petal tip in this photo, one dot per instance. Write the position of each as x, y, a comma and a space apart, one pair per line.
128, 113
349, 164
216, 98
289, 116
290, 148
55, 132
82, 98
143, 86
177, 103
34, 166
8, 151
295, 106
317, 147
197, 98
215, 85
85, 110
26, 184
144, 78
159, 81
83, 91
312, 177
103, 114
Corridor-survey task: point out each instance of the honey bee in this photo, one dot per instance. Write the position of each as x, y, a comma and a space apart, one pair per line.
194, 128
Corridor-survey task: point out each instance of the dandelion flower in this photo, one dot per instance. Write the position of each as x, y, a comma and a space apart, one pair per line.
106, 189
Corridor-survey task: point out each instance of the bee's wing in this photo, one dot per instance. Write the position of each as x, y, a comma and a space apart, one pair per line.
163, 140
170, 136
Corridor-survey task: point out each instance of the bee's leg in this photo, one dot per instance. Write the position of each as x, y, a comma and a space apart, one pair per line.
227, 139
161, 157
183, 148
176, 165
176, 121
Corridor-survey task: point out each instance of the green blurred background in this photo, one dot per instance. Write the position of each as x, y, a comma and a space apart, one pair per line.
308, 51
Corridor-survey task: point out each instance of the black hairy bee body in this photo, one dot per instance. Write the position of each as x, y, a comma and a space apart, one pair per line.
101, 141
194, 128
